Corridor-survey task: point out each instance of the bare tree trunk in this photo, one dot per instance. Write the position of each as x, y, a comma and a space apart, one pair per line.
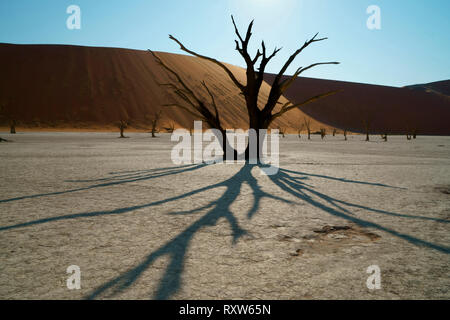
122, 127
155, 122
345, 134
12, 127
307, 123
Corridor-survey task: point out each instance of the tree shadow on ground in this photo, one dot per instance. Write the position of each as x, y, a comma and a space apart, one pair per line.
117, 178
291, 182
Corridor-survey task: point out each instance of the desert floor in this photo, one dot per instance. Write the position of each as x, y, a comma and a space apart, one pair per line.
141, 227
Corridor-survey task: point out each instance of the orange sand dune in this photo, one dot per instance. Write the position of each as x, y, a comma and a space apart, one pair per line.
391, 110
59, 86
74, 86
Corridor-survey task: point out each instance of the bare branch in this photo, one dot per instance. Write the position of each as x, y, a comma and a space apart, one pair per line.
286, 107
296, 53
160, 62
236, 30
287, 83
213, 101
220, 64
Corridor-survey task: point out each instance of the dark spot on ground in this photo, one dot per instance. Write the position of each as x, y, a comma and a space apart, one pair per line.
297, 253
330, 229
443, 189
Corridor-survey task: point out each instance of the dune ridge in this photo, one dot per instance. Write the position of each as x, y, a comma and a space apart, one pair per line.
62, 86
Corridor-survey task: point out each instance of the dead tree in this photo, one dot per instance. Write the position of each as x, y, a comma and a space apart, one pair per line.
259, 118
367, 122
307, 122
323, 133
7, 113
334, 132
408, 131
300, 129
122, 125
282, 131
155, 122
194, 105
12, 125
345, 134
1, 110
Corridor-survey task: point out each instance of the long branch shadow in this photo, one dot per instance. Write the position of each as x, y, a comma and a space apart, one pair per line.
176, 248
116, 179
291, 182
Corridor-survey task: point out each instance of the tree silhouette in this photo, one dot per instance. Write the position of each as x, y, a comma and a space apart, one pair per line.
7, 112
155, 122
299, 131
367, 123
258, 118
308, 126
122, 125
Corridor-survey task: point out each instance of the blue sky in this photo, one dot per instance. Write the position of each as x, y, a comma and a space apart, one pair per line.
412, 46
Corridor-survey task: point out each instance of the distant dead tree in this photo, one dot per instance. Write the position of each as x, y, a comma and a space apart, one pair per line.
367, 122
300, 129
408, 132
307, 123
323, 133
345, 134
155, 121
170, 128
12, 125
122, 125
282, 131
7, 113
408, 136
1, 110
258, 118
334, 132
411, 130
